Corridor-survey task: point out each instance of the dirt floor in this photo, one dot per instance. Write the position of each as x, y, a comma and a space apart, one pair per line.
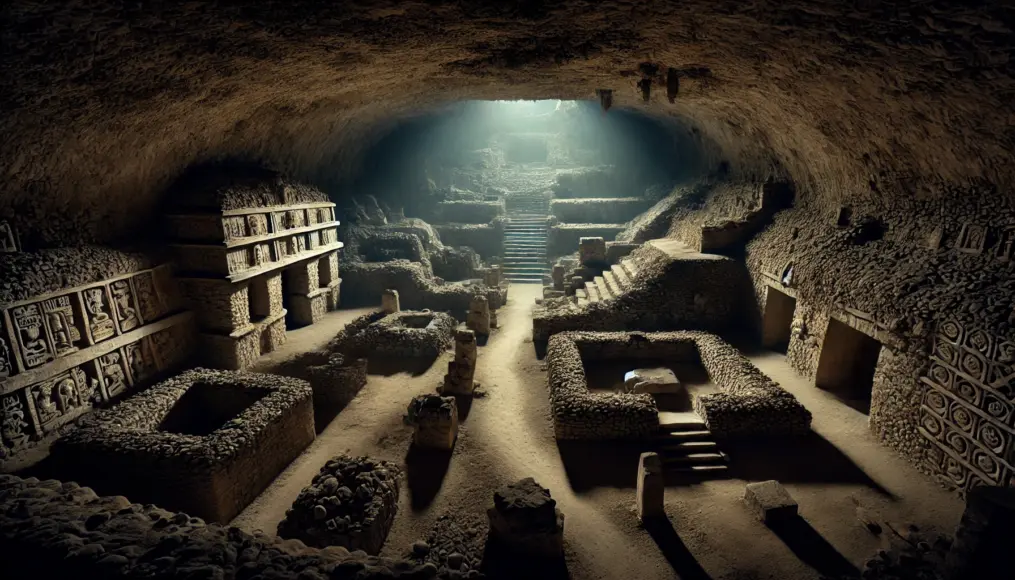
507, 435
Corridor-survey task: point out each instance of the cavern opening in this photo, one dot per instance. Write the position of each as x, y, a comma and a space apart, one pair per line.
582, 290
847, 364
778, 320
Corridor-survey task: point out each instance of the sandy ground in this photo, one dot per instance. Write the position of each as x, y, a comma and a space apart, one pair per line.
507, 435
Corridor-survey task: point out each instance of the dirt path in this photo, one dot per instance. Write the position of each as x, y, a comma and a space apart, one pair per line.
507, 435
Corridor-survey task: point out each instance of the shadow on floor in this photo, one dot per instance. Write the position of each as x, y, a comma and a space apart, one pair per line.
807, 459
464, 404
592, 464
425, 471
501, 564
540, 347
388, 366
676, 553
812, 549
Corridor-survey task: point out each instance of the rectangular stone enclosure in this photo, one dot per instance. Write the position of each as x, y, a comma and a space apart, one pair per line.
204, 442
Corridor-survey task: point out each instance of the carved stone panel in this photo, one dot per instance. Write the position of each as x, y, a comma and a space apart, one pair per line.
234, 228
140, 360
13, 424
56, 399
7, 367
147, 296
33, 342
167, 290
295, 218
281, 249
257, 224
260, 255
62, 324
238, 261
169, 347
97, 314
313, 217
1005, 248
112, 373
314, 240
8, 238
972, 238
279, 221
125, 305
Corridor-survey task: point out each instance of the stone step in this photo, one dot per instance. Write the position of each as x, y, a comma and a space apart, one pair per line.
709, 470
611, 283
630, 268
681, 436
621, 276
604, 291
696, 459
524, 257
526, 269
592, 291
680, 422
581, 294
688, 447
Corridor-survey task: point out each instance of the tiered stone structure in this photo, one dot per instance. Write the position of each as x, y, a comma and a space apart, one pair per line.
246, 271
462, 371
66, 351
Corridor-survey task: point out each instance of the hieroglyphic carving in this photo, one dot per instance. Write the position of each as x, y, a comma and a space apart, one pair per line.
31, 335
238, 261
972, 238
6, 363
147, 297
64, 333
8, 238
125, 306
113, 374
169, 347
100, 324
233, 228
12, 424
58, 397
140, 360
257, 224
968, 418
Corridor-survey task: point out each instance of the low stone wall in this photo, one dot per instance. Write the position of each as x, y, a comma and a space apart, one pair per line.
50, 529
398, 335
580, 414
455, 264
587, 182
599, 210
350, 503
381, 246
470, 212
563, 238
149, 448
486, 239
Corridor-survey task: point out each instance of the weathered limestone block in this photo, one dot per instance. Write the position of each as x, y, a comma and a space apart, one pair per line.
652, 381
462, 370
558, 277
982, 548
308, 309
478, 319
651, 487
389, 301
219, 305
770, 502
265, 295
303, 277
491, 276
525, 519
436, 421
327, 269
592, 250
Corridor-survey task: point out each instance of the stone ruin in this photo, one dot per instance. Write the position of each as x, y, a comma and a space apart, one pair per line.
460, 378
525, 520
478, 319
402, 334
205, 441
389, 302
650, 488
435, 421
350, 503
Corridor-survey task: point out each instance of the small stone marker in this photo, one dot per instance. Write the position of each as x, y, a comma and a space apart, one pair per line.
652, 381
526, 520
389, 301
770, 502
478, 318
651, 487
435, 419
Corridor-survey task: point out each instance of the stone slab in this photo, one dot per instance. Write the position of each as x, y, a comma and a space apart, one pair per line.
652, 381
770, 502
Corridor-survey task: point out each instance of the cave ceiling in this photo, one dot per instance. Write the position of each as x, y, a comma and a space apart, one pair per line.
105, 103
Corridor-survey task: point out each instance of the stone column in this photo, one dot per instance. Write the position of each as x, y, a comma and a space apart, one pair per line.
478, 319
436, 421
558, 277
491, 277
592, 251
525, 520
983, 543
389, 301
462, 370
650, 487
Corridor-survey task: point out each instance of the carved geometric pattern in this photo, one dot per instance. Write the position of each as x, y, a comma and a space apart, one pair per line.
967, 415
972, 238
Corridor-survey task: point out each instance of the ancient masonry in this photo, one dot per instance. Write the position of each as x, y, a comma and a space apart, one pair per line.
246, 271
63, 352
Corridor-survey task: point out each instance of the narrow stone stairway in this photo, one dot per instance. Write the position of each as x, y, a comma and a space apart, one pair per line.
524, 258
610, 284
685, 445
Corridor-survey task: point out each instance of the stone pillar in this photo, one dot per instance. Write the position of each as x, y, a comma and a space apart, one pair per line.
462, 370
491, 277
558, 277
982, 547
592, 251
436, 421
478, 319
650, 487
525, 520
389, 301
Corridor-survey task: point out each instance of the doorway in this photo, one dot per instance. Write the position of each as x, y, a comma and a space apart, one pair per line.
287, 285
847, 363
778, 320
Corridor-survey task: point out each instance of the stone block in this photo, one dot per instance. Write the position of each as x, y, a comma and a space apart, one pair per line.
478, 319
218, 305
436, 421
654, 381
770, 502
389, 301
525, 520
304, 310
592, 250
651, 487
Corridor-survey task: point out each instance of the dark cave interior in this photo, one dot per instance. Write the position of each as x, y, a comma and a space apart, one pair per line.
296, 287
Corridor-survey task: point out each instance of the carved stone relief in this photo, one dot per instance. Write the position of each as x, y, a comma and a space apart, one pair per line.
6, 363
257, 224
234, 227
125, 305
12, 424
147, 297
972, 238
313, 217
314, 240
31, 335
1005, 248
168, 347
281, 249
64, 333
100, 323
237, 261
8, 238
295, 218
113, 374
58, 397
968, 418
140, 360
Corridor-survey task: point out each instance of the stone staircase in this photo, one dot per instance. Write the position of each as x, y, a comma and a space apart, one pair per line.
610, 284
685, 446
524, 258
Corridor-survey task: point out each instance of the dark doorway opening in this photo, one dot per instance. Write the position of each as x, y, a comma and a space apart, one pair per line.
258, 298
847, 363
287, 285
778, 320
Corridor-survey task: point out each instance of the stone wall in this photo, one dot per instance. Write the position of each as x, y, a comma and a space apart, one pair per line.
599, 210
50, 529
69, 349
469, 212
563, 238
486, 239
